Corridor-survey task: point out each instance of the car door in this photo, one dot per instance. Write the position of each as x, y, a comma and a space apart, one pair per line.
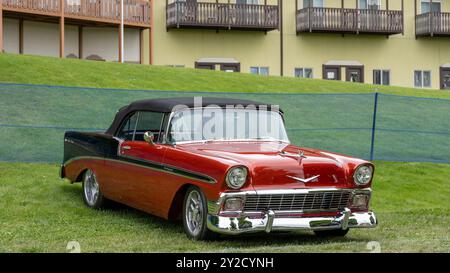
136, 173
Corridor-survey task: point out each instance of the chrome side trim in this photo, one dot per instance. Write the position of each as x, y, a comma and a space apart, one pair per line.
165, 167
162, 168
81, 158
171, 169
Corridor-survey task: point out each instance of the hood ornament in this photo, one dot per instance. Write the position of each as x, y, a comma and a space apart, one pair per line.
300, 155
304, 180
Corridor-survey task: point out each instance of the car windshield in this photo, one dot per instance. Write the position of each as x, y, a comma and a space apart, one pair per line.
224, 124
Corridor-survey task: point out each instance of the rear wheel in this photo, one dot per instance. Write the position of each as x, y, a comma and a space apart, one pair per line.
331, 233
195, 213
92, 195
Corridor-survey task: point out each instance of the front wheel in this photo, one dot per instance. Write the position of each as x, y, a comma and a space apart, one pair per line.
195, 213
92, 195
331, 233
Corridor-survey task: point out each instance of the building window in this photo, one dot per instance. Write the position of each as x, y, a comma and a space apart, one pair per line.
425, 6
303, 73
259, 70
422, 79
382, 77
370, 4
315, 3
247, 2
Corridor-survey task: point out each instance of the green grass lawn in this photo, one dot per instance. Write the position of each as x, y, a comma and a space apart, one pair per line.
70, 72
42, 213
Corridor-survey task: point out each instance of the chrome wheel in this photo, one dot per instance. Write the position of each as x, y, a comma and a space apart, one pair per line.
91, 188
194, 213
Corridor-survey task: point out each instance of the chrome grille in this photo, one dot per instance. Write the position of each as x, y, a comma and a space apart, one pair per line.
333, 200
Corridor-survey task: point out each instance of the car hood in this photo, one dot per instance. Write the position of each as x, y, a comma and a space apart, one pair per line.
275, 165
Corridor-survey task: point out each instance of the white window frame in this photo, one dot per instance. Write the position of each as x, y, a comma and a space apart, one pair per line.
248, 2
367, 4
315, 3
422, 73
382, 77
428, 2
258, 69
303, 69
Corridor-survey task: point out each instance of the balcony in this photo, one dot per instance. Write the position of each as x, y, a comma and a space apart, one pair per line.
351, 21
136, 12
433, 24
222, 16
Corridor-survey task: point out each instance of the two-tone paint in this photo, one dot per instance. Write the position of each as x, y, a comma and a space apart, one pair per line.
153, 178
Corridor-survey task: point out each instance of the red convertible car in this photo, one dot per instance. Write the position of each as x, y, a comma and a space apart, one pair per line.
223, 166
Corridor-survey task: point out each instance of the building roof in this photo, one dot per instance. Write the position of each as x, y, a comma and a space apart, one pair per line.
168, 105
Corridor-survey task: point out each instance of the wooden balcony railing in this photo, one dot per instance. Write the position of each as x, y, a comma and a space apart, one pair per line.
341, 20
136, 12
218, 15
433, 24
33, 6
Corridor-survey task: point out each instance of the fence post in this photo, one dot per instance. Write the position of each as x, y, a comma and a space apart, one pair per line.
374, 123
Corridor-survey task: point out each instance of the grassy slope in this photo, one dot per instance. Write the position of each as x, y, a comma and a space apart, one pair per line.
41, 213
45, 70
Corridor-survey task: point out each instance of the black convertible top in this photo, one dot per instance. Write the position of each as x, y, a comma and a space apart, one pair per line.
167, 105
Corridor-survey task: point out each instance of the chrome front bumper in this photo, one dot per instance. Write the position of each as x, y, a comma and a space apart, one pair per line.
270, 222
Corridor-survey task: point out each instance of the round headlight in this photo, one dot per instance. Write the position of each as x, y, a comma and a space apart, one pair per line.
363, 175
236, 177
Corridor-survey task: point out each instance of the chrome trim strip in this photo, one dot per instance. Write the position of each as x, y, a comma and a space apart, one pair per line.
163, 168
292, 191
135, 125
300, 191
168, 168
172, 169
81, 158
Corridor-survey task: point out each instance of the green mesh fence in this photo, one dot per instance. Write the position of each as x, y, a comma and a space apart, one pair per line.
33, 119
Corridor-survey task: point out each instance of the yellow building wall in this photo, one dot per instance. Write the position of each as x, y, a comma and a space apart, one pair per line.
185, 46
401, 54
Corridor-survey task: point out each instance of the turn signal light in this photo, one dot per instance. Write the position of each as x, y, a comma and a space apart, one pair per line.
360, 201
233, 204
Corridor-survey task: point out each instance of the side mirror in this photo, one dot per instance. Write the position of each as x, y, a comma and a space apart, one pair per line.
149, 137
